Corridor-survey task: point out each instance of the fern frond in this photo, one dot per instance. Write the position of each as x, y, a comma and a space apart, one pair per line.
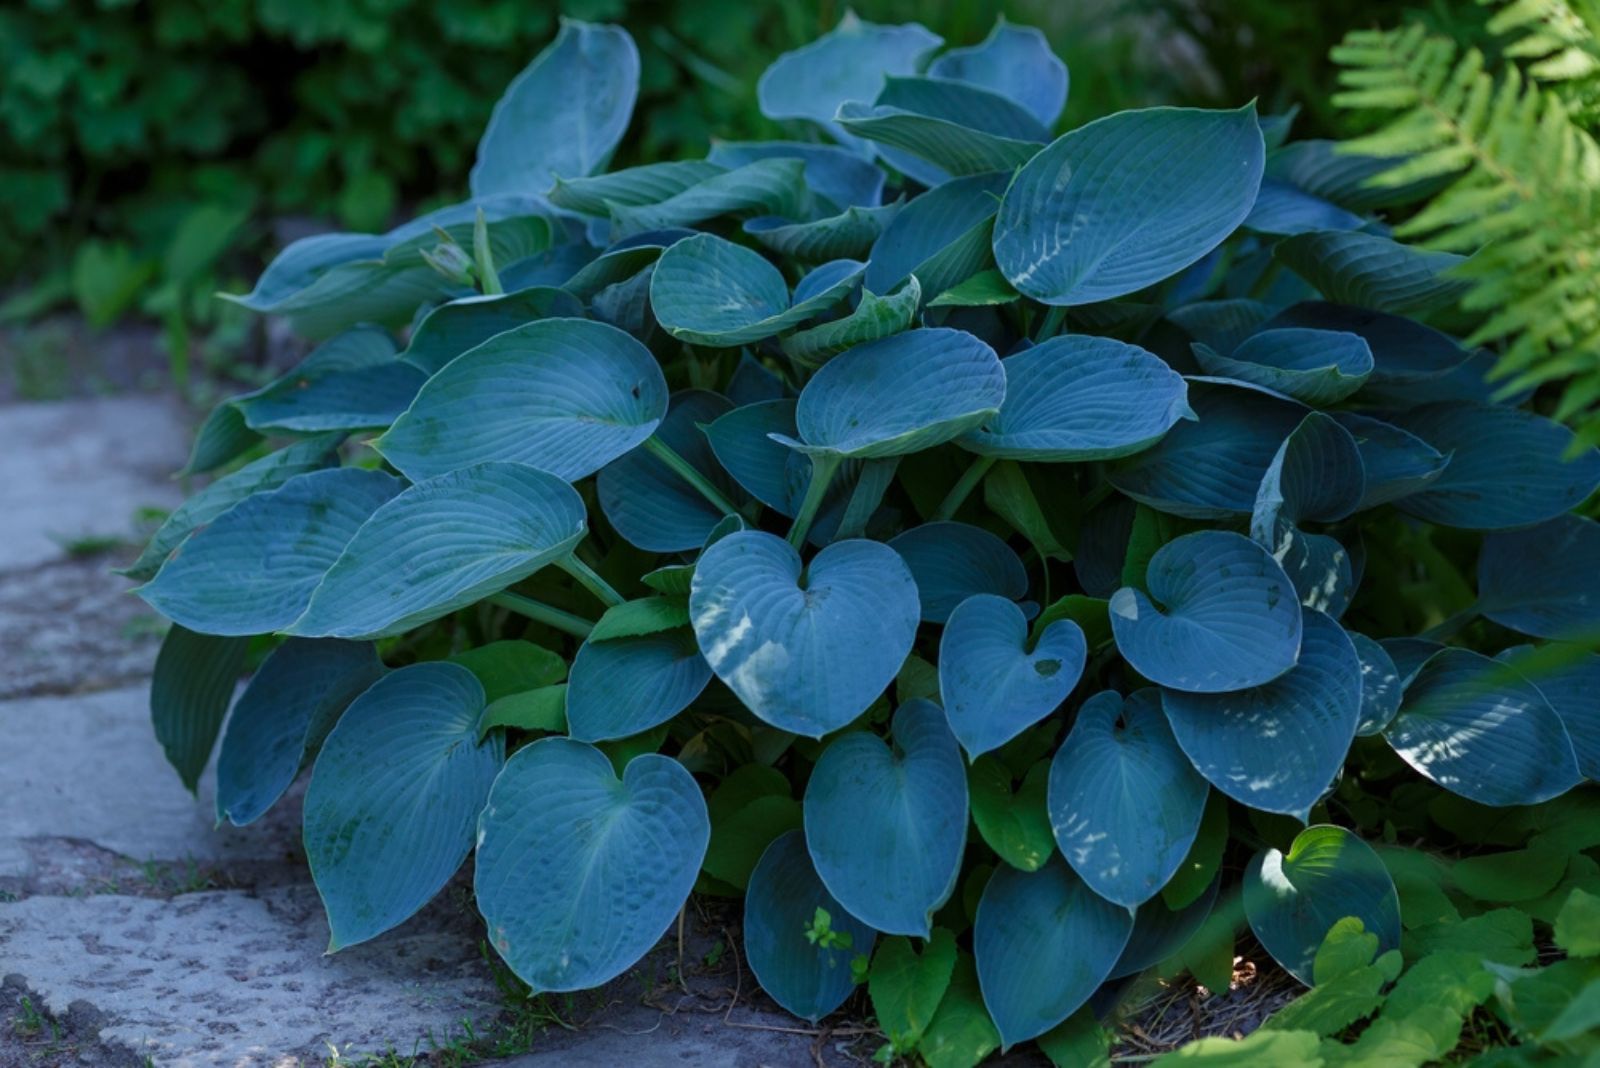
1559, 39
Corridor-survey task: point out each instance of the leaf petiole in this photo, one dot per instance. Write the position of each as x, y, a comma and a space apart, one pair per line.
686, 471
540, 612
964, 486
590, 580
823, 467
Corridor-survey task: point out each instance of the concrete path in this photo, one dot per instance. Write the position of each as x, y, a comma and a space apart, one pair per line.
133, 932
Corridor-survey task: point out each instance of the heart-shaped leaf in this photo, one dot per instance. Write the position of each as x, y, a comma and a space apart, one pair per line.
453, 328
1016, 825
906, 987
384, 835
902, 394
887, 827
625, 686
1125, 804
1278, 746
1508, 467
1017, 63
1293, 899
1126, 201
809, 977
1396, 463
1228, 616
1076, 398
565, 395
578, 874
253, 570
492, 524
1044, 942
1380, 684
563, 115
995, 681
1316, 367
1543, 581
292, 702
806, 647
750, 807
1480, 729
953, 561
652, 506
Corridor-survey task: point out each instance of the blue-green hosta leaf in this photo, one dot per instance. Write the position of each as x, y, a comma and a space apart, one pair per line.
1316, 476
394, 796
848, 235
253, 570
1397, 463
1322, 168
1277, 747
1044, 943
1211, 468
708, 291
1127, 201
349, 382
301, 262
1281, 208
942, 236
994, 680
1319, 565
1125, 804
1570, 688
291, 704
565, 395
1316, 367
1016, 62
626, 305
513, 236
1409, 654
1373, 271
886, 828
650, 505
952, 561
1293, 899
765, 187
765, 469
258, 476
1077, 398
1228, 617
1543, 581
848, 62
626, 686
958, 127
632, 186
874, 317
1406, 356
901, 394
806, 647
841, 177
578, 874
222, 438
487, 526
1508, 467
1102, 547
190, 690
807, 978
453, 328
826, 276
1380, 685
1159, 931
1480, 729
622, 261
1221, 324
562, 116
754, 382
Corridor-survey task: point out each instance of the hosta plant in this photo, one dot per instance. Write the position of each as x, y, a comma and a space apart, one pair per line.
980, 551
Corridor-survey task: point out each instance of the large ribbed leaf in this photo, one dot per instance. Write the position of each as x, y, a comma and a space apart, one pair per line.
1570, 688
806, 647
886, 827
1076, 398
1292, 899
1508, 467
942, 236
1219, 615
1277, 747
959, 128
578, 874
349, 382
394, 796
841, 177
1125, 804
1480, 729
850, 234
253, 570
190, 689
453, 328
1127, 201
565, 395
1160, 930
708, 291
1044, 943
487, 526
1221, 324
902, 394
654, 507
1211, 468
630, 187
628, 685
806, 977
772, 473
764, 187
952, 561
293, 700
1380, 684
1396, 463
874, 317
1373, 271
1316, 476
1317, 367
1016, 62
1543, 581
996, 681
562, 116
1411, 363
1282, 208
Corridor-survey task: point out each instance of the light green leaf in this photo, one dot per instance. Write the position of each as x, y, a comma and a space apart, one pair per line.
647, 616
544, 709
906, 987
874, 317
